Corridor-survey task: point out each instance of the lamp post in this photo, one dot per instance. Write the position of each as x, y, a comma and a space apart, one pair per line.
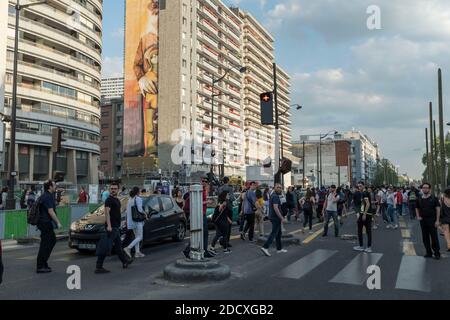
213, 95
10, 201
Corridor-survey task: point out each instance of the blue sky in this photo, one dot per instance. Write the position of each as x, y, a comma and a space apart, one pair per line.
345, 75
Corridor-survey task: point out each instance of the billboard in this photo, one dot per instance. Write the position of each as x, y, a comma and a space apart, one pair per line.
342, 153
141, 78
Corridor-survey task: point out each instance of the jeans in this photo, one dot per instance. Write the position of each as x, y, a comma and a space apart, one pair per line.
222, 229
412, 211
275, 234
392, 215
308, 218
138, 237
331, 215
117, 244
241, 223
405, 208
430, 232
250, 225
383, 211
368, 225
399, 210
48, 241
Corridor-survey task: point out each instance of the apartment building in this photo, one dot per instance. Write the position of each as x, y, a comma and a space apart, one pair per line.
59, 63
112, 88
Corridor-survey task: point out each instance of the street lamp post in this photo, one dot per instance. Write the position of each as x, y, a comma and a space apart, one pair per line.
10, 201
213, 95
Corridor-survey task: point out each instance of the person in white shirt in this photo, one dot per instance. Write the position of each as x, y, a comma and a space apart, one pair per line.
137, 227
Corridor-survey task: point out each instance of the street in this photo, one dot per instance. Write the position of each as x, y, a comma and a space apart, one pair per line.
320, 268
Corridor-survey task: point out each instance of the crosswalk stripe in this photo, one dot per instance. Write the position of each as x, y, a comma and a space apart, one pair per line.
355, 272
306, 264
406, 234
412, 275
408, 248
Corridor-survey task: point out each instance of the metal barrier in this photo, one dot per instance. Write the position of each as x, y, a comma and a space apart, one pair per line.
13, 224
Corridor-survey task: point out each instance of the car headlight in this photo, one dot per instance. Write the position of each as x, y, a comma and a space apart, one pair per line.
73, 226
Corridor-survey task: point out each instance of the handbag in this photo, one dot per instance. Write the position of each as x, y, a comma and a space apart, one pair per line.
136, 215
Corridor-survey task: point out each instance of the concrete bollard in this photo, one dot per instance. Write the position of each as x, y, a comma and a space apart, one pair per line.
196, 203
197, 268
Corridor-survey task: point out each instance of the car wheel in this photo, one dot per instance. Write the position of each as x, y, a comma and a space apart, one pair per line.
181, 232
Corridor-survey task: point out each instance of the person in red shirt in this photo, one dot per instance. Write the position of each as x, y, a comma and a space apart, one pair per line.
399, 198
83, 196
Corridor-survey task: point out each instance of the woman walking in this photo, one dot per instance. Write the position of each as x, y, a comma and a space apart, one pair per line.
308, 203
222, 222
445, 217
179, 198
137, 226
259, 215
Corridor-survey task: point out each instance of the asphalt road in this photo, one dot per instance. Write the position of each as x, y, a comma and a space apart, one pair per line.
319, 268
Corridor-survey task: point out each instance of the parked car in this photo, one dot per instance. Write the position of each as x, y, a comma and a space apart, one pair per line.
1, 263
212, 203
166, 220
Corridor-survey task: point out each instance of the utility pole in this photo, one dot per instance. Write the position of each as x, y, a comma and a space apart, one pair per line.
318, 166
277, 126
432, 174
436, 156
304, 160
441, 134
427, 176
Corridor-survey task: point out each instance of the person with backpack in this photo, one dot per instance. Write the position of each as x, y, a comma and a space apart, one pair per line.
47, 222
137, 225
322, 194
413, 196
308, 203
428, 212
363, 207
222, 221
382, 200
249, 210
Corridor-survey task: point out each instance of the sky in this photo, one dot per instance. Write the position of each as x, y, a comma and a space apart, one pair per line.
345, 75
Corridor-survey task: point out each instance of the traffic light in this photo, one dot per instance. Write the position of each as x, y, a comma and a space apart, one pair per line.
57, 139
267, 108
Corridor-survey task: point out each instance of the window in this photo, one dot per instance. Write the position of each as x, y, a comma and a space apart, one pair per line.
184, 21
183, 77
184, 48
184, 63
167, 203
105, 126
152, 205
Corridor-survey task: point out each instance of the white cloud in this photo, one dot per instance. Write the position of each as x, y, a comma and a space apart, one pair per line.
112, 67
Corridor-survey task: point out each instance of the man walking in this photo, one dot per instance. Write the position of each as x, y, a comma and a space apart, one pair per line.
47, 223
249, 212
365, 212
112, 236
428, 213
331, 211
276, 217
227, 187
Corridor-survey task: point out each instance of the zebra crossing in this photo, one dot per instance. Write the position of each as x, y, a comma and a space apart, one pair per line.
412, 271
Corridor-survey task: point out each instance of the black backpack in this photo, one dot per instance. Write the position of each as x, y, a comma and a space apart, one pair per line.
34, 213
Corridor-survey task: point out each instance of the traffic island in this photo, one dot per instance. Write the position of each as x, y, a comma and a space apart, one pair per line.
186, 270
286, 239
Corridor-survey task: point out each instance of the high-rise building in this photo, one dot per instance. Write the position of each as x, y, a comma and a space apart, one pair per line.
59, 63
112, 88
111, 144
202, 46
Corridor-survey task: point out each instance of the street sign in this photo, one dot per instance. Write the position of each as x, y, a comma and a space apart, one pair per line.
267, 108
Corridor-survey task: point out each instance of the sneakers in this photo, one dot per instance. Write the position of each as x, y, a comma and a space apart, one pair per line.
127, 252
243, 236
43, 270
208, 254
368, 250
395, 227
311, 232
266, 252
227, 251
358, 248
282, 251
101, 271
139, 255
126, 264
388, 226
